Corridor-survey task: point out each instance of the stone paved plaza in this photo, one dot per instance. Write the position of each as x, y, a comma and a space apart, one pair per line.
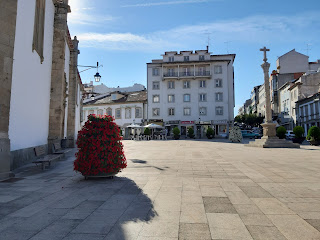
171, 190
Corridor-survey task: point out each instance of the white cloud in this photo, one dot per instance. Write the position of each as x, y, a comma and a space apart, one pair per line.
83, 14
254, 29
151, 4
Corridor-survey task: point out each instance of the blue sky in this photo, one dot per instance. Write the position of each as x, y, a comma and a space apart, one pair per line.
123, 35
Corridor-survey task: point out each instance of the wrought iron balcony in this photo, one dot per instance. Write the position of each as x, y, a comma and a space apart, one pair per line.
170, 74
203, 73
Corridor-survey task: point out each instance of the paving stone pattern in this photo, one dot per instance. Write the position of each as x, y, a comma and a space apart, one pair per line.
192, 190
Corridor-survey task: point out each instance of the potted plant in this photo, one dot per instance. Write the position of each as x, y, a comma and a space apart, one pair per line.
298, 132
190, 132
176, 133
210, 133
100, 149
313, 136
147, 132
281, 132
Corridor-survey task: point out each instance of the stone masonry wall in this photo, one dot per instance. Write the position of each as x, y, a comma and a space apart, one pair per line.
58, 81
8, 15
73, 82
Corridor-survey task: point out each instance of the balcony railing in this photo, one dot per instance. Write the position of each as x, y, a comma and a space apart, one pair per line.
170, 74
203, 73
187, 74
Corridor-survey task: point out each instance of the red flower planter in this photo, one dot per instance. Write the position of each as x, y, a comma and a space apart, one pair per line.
100, 148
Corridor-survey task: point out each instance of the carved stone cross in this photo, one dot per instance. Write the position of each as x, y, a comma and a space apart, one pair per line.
265, 50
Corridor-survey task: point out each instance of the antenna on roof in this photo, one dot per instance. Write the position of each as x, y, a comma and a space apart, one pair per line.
209, 40
227, 45
308, 48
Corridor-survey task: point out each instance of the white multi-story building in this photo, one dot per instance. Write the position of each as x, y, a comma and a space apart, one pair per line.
192, 89
126, 108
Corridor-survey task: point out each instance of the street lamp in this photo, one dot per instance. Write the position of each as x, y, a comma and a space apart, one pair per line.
97, 76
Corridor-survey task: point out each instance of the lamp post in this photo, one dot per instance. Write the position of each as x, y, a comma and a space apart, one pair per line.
97, 76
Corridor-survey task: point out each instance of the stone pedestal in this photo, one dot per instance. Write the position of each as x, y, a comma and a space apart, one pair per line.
270, 140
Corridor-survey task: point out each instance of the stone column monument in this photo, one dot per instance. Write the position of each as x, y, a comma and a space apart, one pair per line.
269, 139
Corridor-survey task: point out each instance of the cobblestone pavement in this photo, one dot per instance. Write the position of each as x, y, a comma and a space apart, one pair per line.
171, 190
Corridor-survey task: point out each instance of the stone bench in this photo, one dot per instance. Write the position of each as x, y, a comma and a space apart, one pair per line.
44, 159
57, 149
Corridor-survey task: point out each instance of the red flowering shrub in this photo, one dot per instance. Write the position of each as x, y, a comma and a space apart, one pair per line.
101, 150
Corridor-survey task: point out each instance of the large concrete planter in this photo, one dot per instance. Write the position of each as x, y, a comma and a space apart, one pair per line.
100, 175
298, 140
314, 142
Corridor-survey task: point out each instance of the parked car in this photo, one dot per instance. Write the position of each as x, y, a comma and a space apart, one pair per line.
289, 135
249, 134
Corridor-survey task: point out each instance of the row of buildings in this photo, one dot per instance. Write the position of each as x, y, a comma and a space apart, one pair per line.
41, 89
294, 92
185, 89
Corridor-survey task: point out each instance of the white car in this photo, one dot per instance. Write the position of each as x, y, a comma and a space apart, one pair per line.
289, 135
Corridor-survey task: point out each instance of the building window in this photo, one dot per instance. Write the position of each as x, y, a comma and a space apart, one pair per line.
187, 111
171, 98
201, 58
155, 111
203, 111
170, 72
100, 112
202, 71
202, 83
38, 32
118, 113
138, 112
186, 72
219, 97
202, 97
186, 84
155, 71
128, 113
219, 110
109, 111
186, 97
90, 112
171, 111
218, 82
155, 85
171, 59
156, 98
186, 58
171, 84
218, 69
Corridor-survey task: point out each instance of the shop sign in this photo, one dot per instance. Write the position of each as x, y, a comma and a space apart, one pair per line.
173, 122
219, 121
187, 122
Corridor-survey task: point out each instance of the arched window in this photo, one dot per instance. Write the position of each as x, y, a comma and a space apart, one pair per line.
109, 111
100, 112
128, 113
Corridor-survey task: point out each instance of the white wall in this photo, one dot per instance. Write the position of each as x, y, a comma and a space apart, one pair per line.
194, 91
66, 70
78, 110
31, 80
293, 62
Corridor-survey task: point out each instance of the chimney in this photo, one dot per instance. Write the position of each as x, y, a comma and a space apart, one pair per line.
207, 48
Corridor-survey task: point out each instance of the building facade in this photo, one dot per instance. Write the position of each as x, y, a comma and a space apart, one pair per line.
262, 101
191, 89
308, 114
126, 108
36, 53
